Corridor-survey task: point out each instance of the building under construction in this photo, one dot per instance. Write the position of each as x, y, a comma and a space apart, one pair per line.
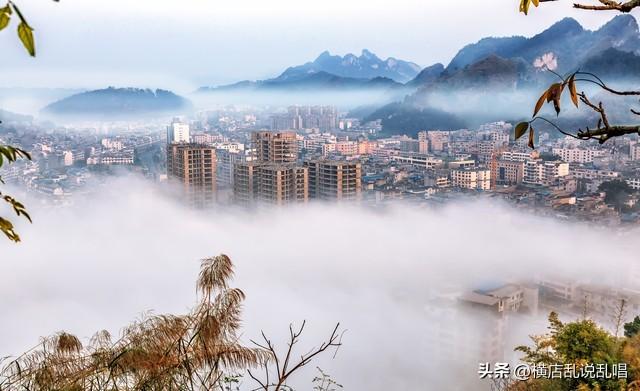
334, 180
193, 168
275, 147
270, 183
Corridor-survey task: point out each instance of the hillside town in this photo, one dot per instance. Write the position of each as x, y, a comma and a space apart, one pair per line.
318, 153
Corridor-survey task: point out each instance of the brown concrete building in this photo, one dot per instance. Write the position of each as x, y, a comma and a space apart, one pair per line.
334, 180
193, 166
244, 183
275, 147
280, 184
507, 172
269, 183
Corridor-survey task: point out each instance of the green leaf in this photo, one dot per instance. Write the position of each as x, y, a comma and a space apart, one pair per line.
26, 36
5, 16
521, 129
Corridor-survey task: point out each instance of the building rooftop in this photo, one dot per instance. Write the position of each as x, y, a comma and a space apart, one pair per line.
478, 298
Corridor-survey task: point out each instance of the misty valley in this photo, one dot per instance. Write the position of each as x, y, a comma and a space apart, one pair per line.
353, 222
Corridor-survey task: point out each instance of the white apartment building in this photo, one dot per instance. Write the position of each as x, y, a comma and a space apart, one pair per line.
67, 158
177, 132
603, 175
437, 178
541, 172
461, 163
232, 147
516, 156
112, 158
578, 155
316, 141
472, 179
113, 144
419, 160
559, 289
634, 151
634, 183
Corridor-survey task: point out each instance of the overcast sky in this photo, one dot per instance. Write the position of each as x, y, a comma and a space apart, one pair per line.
181, 44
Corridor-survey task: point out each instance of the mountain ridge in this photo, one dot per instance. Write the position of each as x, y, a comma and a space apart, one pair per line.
367, 66
114, 101
570, 43
348, 71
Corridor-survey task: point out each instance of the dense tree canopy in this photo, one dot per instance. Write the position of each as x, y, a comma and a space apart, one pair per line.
577, 344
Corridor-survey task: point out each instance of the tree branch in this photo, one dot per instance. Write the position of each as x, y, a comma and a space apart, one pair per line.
282, 367
609, 5
603, 134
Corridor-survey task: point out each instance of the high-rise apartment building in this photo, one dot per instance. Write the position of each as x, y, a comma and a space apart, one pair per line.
280, 184
334, 180
275, 147
270, 183
193, 166
245, 183
438, 140
226, 160
423, 142
324, 118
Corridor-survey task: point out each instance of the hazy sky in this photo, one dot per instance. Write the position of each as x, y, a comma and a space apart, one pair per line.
185, 43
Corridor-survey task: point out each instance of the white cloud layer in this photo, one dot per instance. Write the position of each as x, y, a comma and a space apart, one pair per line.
100, 263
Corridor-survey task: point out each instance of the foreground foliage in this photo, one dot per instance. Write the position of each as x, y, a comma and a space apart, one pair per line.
25, 31
199, 350
164, 352
578, 344
10, 154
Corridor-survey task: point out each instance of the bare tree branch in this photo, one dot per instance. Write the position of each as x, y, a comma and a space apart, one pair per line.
283, 367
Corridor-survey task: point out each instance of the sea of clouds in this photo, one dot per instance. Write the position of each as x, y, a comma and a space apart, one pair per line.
130, 248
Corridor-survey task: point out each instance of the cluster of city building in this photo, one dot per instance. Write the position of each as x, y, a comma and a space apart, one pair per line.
64, 162
257, 165
324, 118
267, 172
252, 156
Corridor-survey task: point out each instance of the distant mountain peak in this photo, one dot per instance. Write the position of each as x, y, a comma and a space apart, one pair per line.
368, 55
365, 66
566, 39
564, 26
427, 75
323, 55
619, 25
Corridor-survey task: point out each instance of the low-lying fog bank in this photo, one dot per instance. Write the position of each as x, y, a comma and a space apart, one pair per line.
102, 262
